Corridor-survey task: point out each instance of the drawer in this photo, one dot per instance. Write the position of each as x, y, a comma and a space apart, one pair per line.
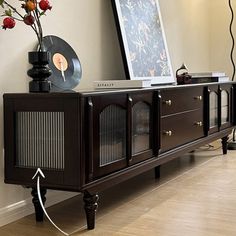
180, 129
179, 100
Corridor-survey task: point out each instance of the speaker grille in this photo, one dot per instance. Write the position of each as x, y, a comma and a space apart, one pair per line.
40, 140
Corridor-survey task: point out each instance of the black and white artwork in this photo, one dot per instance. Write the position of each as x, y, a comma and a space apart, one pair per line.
143, 40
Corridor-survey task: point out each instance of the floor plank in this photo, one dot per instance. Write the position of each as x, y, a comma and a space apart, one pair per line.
195, 196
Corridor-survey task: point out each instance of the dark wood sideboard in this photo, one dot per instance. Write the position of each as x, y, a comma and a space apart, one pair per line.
88, 141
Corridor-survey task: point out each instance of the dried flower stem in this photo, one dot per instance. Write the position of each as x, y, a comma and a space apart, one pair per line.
36, 27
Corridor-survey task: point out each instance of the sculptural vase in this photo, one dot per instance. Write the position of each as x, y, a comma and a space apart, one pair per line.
39, 72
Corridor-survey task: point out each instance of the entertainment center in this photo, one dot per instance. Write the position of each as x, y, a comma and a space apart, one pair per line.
87, 141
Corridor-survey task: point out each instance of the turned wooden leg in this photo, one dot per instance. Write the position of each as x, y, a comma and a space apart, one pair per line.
38, 209
224, 142
90, 206
157, 172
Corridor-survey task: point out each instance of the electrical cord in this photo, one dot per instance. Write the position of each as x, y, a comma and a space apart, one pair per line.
232, 37
232, 50
234, 135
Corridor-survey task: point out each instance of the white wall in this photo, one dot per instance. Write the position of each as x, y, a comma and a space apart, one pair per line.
195, 35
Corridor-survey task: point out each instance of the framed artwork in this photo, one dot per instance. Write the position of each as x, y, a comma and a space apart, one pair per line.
142, 39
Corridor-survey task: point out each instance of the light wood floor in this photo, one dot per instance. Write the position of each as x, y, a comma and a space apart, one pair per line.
194, 197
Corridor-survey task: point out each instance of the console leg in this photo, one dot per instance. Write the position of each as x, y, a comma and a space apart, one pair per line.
224, 142
192, 156
157, 172
38, 209
90, 206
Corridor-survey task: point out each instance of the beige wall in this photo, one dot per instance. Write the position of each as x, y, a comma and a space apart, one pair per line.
195, 31
187, 30
220, 40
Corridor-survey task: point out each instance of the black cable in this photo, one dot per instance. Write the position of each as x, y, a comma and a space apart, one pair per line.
232, 50
234, 135
232, 37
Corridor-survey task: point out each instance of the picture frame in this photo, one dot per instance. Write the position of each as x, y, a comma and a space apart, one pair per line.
142, 40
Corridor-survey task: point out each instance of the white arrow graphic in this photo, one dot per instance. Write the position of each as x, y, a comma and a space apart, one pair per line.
39, 173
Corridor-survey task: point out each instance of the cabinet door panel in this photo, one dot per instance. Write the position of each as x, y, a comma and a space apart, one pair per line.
180, 129
141, 127
225, 105
109, 122
42, 132
212, 109
112, 135
141, 112
219, 114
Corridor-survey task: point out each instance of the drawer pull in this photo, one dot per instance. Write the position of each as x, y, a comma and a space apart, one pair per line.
199, 98
199, 124
168, 102
168, 133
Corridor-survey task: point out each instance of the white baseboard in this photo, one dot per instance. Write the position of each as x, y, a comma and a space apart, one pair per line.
23, 208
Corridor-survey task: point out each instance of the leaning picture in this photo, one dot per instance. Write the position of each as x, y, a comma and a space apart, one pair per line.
142, 40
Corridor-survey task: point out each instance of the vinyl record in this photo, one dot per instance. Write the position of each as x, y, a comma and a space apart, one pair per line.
64, 63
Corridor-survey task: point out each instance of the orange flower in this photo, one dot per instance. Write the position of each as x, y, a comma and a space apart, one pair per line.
33, 10
30, 5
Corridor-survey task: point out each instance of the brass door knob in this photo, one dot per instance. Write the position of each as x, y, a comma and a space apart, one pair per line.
168, 102
199, 98
168, 133
199, 123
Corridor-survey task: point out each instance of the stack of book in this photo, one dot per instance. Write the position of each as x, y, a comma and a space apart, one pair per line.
116, 84
208, 77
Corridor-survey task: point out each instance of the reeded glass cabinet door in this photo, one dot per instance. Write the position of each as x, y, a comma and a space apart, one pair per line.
42, 132
224, 107
141, 109
121, 129
213, 117
112, 135
140, 127
219, 107
107, 128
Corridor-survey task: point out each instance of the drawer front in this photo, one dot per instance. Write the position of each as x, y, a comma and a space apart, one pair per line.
179, 100
180, 129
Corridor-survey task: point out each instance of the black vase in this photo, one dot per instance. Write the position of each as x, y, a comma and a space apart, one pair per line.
39, 72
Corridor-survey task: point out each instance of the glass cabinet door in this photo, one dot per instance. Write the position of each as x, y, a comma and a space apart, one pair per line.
226, 92
213, 109
224, 107
107, 134
119, 132
112, 135
140, 127
219, 107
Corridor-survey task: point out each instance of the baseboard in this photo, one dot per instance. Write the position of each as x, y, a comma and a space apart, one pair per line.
23, 208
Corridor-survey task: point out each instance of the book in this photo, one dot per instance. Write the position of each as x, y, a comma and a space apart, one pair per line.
209, 79
223, 79
208, 74
113, 84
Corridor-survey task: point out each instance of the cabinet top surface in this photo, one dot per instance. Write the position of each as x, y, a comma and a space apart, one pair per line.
94, 92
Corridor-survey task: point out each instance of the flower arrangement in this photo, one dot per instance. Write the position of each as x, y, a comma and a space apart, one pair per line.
32, 9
